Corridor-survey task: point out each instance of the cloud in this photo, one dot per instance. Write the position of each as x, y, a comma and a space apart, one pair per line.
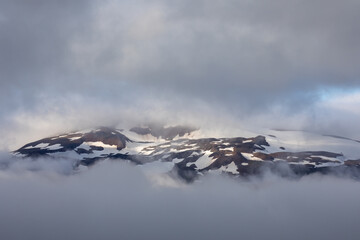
11, 166
78, 64
115, 200
219, 46
215, 46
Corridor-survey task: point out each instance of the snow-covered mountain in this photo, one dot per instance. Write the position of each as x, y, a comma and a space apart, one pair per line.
177, 150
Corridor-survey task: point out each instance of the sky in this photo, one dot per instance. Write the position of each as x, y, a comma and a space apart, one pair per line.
289, 64
221, 65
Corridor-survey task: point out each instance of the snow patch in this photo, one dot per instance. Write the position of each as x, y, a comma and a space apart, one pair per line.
325, 158
203, 162
231, 168
100, 144
40, 145
84, 146
228, 148
55, 147
74, 138
250, 156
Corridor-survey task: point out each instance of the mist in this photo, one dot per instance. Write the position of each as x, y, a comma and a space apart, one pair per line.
115, 200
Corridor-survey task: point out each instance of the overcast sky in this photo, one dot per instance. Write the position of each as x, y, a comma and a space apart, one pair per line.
70, 64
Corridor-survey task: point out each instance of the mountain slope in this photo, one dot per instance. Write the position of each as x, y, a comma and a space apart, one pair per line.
188, 157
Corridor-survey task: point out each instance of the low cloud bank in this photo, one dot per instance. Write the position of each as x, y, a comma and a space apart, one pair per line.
115, 200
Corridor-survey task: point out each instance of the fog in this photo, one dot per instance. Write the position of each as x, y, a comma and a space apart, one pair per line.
115, 200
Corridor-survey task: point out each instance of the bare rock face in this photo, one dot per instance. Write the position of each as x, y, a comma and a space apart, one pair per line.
189, 157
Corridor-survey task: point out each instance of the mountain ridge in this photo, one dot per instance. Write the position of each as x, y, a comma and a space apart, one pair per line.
189, 157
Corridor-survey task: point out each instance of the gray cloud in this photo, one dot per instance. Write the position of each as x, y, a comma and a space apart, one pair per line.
242, 58
113, 201
216, 46
281, 46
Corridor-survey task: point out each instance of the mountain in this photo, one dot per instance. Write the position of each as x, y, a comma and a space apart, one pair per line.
176, 150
